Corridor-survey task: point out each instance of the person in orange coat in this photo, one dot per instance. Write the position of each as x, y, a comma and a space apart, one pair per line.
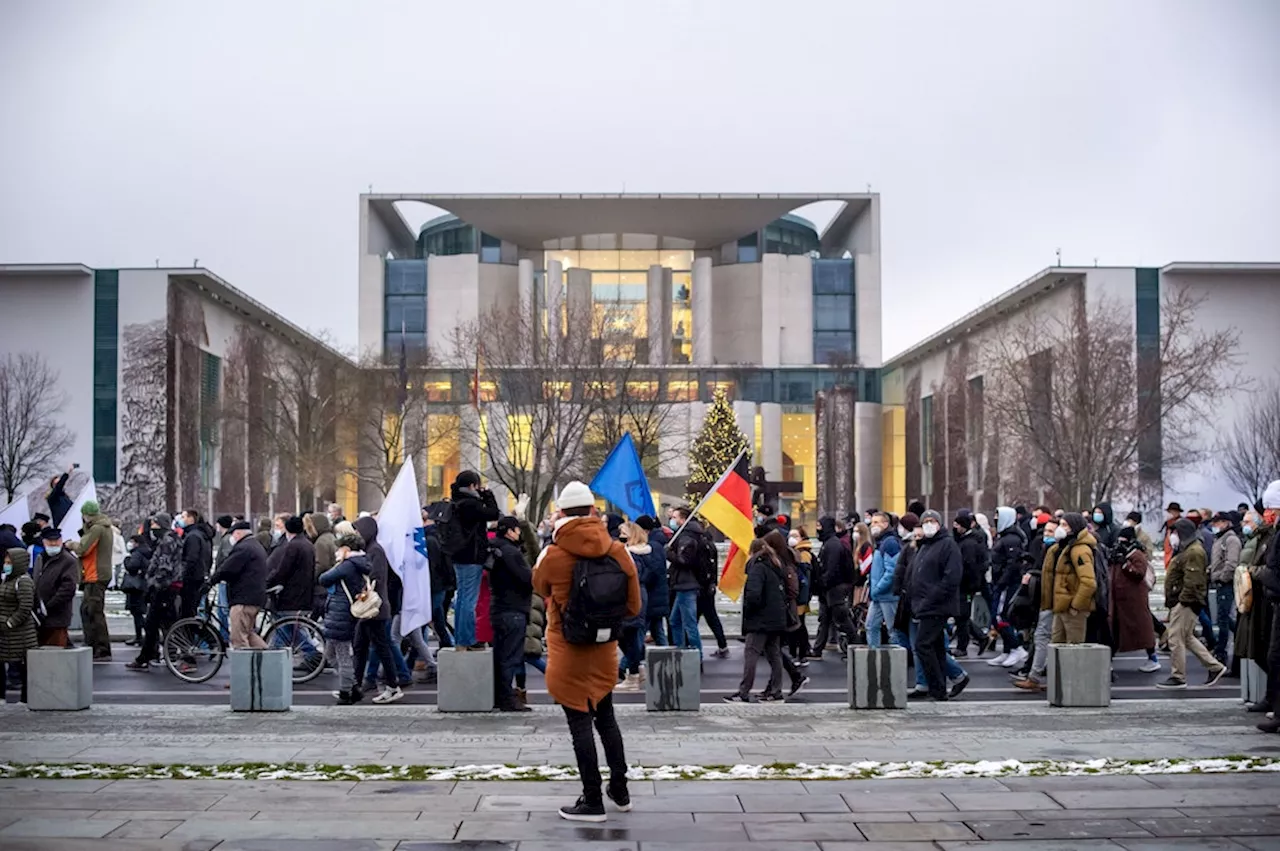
581, 677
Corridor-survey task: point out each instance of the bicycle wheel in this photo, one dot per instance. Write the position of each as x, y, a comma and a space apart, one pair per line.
301, 636
193, 650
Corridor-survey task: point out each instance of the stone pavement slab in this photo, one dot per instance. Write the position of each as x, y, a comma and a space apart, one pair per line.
1036, 830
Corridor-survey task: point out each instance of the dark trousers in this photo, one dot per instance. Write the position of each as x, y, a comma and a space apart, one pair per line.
631, 643
797, 641
508, 653
962, 623
768, 644
21, 668
93, 615
707, 611
931, 654
584, 748
1273, 658
439, 621
191, 597
160, 616
374, 632
658, 630
841, 615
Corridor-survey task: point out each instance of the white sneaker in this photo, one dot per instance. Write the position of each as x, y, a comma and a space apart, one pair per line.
1150, 666
389, 695
999, 660
631, 683
1016, 658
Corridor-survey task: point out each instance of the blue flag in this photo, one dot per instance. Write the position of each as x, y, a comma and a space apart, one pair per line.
621, 480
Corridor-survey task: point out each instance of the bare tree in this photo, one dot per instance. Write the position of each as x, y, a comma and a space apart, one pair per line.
634, 404
530, 429
1066, 393
32, 438
1251, 453
307, 395
389, 420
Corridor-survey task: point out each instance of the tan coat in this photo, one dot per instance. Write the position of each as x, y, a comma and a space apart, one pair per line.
578, 675
1067, 580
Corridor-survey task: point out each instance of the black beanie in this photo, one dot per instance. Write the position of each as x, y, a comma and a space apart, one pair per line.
293, 525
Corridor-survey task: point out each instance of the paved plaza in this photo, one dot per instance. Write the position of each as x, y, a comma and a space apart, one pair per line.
1048, 813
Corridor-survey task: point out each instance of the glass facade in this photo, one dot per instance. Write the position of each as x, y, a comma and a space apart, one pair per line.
106, 353
790, 235
404, 307
210, 400
835, 312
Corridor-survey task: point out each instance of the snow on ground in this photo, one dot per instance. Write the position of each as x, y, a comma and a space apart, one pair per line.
867, 770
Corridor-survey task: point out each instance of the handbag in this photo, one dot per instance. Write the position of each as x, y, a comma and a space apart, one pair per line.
367, 603
133, 582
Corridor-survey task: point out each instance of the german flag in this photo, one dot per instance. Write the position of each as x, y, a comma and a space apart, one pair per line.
727, 506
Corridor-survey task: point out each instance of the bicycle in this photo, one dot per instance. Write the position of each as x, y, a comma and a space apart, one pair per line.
194, 648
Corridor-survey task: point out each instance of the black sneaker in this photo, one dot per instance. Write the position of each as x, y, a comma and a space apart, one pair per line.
1213, 678
958, 686
960, 654
138, 665
621, 799
1257, 707
917, 694
798, 686
1172, 683
721, 653
582, 811
735, 698
774, 697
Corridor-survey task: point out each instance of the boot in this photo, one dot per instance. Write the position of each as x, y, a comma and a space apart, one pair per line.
522, 695
344, 698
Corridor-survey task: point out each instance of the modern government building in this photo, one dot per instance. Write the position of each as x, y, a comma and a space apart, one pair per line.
740, 294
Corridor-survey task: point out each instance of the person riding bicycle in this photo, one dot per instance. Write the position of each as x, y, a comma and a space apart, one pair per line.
245, 572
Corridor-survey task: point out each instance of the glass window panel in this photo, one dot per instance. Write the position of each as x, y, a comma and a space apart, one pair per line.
833, 312
748, 254
406, 314
568, 258
757, 387
599, 260
404, 277
638, 260
682, 389
832, 346
795, 387
677, 260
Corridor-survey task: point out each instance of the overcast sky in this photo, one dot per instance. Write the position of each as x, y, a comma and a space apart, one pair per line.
241, 133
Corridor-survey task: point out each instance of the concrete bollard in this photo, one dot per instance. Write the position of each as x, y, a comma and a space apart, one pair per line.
1079, 675
465, 680
878, 678
77, 622
673, 679
1253, 682
59, 679
261, 680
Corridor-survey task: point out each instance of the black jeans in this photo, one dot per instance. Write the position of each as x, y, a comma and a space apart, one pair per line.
508, 653
962, 623
191, 597
840, 614
160, 616
931, 654
768, 644
797, 641
373, 631
658, 630
584, 748
21, 668
707, 611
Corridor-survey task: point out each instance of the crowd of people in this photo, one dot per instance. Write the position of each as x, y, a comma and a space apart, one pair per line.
580, 596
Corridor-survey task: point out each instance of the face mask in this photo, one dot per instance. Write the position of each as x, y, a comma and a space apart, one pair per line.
8, 569
674, 524
1060, 533
1174, 540
1247, 528
1129, 524
930, 529
1097, 517
1048, 540
277, 534
903, 533
877, 531
181, 523
53, 550
131, 546
794, 541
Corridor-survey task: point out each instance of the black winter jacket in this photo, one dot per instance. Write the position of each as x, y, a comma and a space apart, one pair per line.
936, 569
59, 502
510, 579
245, 572
197, 553
655, 579
443, 576
973, 555
1009, 558
684, 553
764, 598
292, 566
57, 578
837, 568
473, 512
379, 567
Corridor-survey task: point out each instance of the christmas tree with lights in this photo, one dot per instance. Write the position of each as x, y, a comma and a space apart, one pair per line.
716, 447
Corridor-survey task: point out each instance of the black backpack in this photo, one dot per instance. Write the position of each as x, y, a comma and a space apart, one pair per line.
448, 529
597, 602
708, 568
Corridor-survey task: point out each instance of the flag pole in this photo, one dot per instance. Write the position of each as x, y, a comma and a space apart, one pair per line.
710, 490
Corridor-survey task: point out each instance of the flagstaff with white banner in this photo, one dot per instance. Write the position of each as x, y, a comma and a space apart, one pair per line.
17, 512
71, 521
403, 538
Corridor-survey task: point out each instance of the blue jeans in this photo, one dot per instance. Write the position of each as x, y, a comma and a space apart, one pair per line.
1226, 618
684, 621
953, 670
658, 630
439, 623
224, 612
289, 636
883, 612
1206, 625
402, 669
464, 605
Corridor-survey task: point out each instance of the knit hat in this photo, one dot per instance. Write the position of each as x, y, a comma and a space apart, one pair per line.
1271, 496
1075, 522
916, 507
225, 521
161, 519
507, 523
614, 524
575, 495
910, 521
237, 526
964, 518
1134, 516
293, 525
89, 508
931, 515
647, 523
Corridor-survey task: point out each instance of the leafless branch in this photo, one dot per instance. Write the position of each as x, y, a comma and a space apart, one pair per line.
32, 438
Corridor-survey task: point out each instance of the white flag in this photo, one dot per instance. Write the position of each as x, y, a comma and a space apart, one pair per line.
17, 512
401, 535
71, 522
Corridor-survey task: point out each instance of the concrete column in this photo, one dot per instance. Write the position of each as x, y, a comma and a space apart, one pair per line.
659, 311
771, 439
703, 326
772, 311
745, 414
554, 300
524, 292
578, 298
868, 455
